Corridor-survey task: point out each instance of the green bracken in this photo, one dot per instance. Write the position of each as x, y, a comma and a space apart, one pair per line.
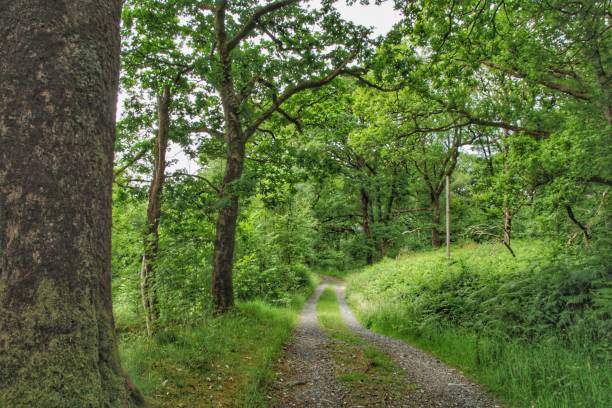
535, 331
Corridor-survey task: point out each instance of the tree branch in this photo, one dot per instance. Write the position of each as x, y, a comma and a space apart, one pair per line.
572, 217
252, 22
288, 93
548, 84
600, 180
210, 131
133, 160
204, 179
296, 121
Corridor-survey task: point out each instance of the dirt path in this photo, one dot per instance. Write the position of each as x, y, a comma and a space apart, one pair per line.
307, 373
436, 384
307, 379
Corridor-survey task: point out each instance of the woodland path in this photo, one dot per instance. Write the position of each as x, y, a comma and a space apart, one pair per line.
307, 370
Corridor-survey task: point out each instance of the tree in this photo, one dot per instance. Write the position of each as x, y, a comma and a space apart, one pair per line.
57, 116
151, 236
154, 67
262, 57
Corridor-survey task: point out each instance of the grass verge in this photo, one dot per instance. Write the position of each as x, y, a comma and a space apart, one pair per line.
371, 376
526, 329
226, 361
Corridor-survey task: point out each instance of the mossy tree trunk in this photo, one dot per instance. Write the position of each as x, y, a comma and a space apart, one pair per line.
59, 65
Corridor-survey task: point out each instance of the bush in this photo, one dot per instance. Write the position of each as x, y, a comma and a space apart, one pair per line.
274, 284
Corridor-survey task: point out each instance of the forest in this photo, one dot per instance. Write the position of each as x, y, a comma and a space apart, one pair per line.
325, 203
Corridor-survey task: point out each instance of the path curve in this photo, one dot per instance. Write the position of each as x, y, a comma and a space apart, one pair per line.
307, 372
437, 385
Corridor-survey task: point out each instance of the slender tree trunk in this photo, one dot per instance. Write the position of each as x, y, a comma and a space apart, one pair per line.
507, 239
367, 233
507, 225
447, 213
148, 287
390, 201
379, 206
435, 220
583, 228
58, 81
222, 290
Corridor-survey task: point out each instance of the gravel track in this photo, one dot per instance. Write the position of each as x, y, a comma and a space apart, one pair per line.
306, 377
437, 385
307, 372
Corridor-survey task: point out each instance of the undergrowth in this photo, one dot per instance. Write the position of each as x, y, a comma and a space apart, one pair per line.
222, 361
535, 330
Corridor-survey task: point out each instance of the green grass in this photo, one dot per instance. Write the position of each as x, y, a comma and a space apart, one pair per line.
532, 330
368, 372
226, 361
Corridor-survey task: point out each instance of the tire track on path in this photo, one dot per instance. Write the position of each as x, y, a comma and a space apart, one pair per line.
437, 385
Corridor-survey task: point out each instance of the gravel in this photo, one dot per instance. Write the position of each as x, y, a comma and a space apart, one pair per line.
306, 377
437, 385
306, 372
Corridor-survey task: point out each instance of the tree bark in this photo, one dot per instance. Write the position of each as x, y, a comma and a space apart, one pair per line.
507, 225
435, 220
59, 66
148, 287
507, 238
222, 290
447, 214
367, 233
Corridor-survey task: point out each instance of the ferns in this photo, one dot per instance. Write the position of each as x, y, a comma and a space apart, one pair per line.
542, 294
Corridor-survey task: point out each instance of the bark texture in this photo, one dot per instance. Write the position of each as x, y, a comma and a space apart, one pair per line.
435, 221
59, 65
222, 289
365, 220
148, 286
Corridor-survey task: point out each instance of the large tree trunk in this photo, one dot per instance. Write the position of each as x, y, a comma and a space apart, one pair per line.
148, 287
435, 220
365, 216
222, 290
59, 65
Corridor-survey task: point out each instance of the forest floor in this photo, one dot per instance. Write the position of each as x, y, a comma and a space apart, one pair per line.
333, 361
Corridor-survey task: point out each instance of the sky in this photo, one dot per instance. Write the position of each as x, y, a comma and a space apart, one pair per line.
381, 18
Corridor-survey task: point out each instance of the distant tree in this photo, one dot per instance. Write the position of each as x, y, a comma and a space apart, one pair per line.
59, 77
263, 55
154, 69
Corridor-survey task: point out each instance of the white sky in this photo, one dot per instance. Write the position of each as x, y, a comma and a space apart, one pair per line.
381, 18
